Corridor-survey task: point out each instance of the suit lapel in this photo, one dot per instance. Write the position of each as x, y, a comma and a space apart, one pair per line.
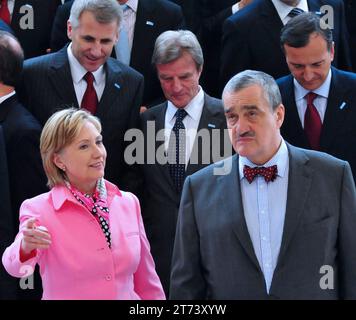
209, 120
271, 21
61, 79
293, 130
334, 115
299, 183
112, 90
163, 169
234, 209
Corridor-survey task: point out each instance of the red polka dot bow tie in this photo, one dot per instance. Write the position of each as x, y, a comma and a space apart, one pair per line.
269, 173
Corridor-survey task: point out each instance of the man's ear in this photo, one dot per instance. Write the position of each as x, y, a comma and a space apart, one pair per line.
280, 112
69, 30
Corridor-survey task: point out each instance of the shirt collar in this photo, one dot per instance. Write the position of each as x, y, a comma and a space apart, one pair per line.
284, 9
132, 4
78, 71
193, 108
60, 194
323, 90
3, 98
280, 159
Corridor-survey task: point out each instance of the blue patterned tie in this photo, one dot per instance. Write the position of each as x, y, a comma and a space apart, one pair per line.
176, 150
295, 12
122, 49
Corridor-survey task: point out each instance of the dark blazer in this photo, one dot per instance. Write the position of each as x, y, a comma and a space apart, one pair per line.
338, 134
8, 285
350, 12
34, 41
251, 40
47, 87
213, 255
205, 18
26, 175
22, 140
153, 17
160, 201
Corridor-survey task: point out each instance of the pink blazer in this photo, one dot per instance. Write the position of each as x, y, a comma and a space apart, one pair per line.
79, 264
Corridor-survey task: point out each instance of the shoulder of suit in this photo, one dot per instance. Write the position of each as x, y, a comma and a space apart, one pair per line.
319, 160
153, 111
125, 69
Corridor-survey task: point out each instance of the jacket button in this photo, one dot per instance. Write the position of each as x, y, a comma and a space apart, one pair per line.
108, 278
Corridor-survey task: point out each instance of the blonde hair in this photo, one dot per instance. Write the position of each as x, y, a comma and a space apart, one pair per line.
59, 131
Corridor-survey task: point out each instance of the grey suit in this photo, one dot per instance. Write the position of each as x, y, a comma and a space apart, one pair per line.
214, 258
47, 86
160, 201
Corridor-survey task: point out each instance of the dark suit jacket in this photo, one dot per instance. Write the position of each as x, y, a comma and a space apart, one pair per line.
338, 135
205, 18
153, 17
34, 40
251, 40
213, 255
8, 284
161, 199
47, 86
26, 175
350, 12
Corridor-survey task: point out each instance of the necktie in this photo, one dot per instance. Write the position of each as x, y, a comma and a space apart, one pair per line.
176, 150
312, 122
122, 48
90, 99
4, 12
269, 173
295, 12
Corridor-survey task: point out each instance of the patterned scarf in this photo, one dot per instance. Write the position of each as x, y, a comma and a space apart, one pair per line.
96, 204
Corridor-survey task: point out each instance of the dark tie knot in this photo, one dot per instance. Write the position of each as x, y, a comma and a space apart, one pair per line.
310, 97
89, 78
180, 114
295, 12
269, 173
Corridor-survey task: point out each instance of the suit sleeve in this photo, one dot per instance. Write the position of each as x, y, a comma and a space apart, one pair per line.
347, 237
11, 257
187, 280
25, 165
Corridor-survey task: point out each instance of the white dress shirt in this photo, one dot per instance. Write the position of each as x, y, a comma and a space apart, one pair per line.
78, 72
191, 121
320, 101
264, 206
3, 98
284, 9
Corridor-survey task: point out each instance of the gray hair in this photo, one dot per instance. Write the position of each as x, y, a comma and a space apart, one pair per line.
250, 78
170, 45
104, 11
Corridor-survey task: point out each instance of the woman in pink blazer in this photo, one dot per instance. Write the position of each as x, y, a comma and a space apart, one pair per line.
86, 235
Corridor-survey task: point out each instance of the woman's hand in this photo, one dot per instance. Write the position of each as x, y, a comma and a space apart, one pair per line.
35, 237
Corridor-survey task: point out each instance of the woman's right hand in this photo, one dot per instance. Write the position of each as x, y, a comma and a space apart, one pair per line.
34, 237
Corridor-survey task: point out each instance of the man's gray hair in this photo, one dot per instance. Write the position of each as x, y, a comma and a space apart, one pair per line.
170, 45
250, 78
104, 11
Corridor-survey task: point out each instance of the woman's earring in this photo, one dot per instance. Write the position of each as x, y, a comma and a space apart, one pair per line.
64, 168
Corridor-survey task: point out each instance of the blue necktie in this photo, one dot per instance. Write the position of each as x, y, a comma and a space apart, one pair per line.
176, 150
122, 48
295, 12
